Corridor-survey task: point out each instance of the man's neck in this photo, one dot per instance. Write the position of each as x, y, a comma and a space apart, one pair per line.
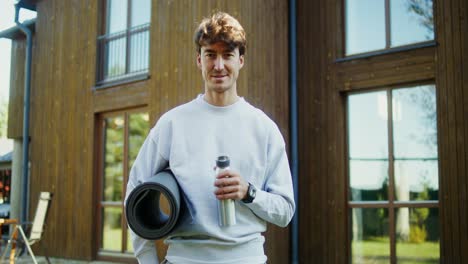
221, 98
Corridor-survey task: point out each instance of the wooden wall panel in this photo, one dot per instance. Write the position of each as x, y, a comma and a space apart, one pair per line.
452, 104
396, 68
322, 211
65, 105
62, 123
15, 105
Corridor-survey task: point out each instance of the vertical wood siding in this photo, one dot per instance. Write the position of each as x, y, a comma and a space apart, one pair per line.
452, 105
65, 105
15, 105
322, 221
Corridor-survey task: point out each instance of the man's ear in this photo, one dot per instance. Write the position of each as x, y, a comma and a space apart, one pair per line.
241, 61
199, 61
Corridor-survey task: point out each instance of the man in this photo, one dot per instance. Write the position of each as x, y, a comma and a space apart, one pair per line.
190, 137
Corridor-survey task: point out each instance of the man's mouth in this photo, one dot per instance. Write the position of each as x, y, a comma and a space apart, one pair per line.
218, 76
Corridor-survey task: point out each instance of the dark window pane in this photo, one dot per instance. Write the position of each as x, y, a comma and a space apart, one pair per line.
369, 237
365, 26
417, 231
117, 16
112, 229
368, 146
412, 21
114, 153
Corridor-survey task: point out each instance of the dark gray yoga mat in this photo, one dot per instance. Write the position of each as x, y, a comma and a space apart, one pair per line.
143, 212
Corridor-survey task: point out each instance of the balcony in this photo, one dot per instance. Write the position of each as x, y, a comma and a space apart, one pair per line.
123, 56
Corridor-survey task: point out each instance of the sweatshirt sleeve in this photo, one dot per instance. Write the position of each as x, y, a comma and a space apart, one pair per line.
149, 161
274, 201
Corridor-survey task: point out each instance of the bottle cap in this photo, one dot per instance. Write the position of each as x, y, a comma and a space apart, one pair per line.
222, 162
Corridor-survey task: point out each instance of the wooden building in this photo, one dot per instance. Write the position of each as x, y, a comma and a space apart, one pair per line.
382, 125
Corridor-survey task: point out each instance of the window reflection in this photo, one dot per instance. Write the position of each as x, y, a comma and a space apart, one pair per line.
369, 180
116, 59
415, 144
139, 52
416, 180
369, 238
129, 241
124, 48
112, 229
138, 129
116, 148
113, 168
365, 26
368, 147
415, 132
417, 235
117, 10
411, 21
141, 12
414, 170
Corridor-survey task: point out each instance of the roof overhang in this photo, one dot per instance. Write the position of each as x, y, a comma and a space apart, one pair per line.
15, 32
28, 4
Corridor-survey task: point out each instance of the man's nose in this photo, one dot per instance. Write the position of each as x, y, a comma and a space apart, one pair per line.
219, 63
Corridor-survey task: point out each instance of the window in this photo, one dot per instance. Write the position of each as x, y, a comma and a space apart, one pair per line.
393, 181
374, 25
121, 137
123, 49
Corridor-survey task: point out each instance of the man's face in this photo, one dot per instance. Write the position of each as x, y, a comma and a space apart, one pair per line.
220, 66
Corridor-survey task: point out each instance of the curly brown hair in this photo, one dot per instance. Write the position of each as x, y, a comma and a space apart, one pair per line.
221, 27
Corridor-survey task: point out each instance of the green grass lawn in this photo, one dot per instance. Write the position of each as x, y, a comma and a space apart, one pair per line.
378, 251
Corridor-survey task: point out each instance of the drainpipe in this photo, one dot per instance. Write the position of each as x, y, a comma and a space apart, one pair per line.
27, 90
293, 128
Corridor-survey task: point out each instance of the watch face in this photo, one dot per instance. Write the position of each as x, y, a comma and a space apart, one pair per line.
252, 191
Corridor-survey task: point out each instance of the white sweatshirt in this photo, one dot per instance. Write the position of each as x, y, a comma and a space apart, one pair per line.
188, 139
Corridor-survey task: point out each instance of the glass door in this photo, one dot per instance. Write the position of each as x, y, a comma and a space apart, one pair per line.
121, 135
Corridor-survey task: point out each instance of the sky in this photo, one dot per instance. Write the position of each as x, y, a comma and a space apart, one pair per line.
7, 17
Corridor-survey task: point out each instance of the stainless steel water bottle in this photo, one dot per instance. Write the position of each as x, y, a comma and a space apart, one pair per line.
226, 208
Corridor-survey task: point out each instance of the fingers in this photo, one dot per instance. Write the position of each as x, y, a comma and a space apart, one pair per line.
227, 173
229, 192
221, 182
230, 185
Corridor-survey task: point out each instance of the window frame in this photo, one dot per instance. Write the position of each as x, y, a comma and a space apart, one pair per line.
102, 51
124, 254
391, 204
388, 49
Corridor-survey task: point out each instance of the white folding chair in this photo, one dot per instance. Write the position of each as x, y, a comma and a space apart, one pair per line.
36, 230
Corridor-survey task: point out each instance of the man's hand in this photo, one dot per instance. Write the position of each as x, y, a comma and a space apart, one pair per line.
230, 185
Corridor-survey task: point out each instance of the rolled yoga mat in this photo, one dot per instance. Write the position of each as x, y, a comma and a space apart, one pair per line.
143, 212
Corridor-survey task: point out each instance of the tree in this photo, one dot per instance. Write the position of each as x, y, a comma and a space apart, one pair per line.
423, 9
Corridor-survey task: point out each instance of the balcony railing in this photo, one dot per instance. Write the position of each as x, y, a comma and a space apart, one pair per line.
123, 54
